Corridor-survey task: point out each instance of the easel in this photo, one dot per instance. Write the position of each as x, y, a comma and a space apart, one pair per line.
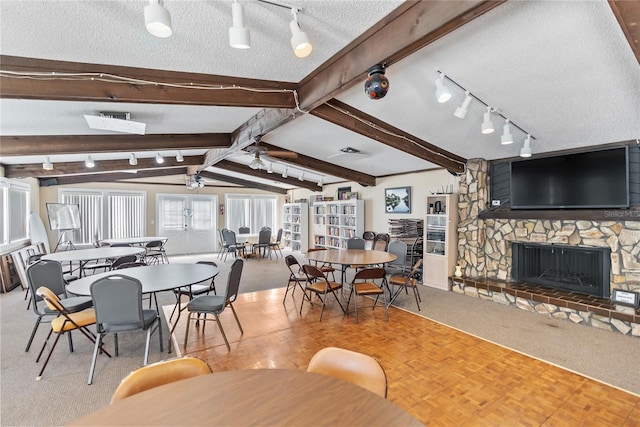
63, 240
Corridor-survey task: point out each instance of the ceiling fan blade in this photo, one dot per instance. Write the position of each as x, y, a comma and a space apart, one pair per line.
287, 154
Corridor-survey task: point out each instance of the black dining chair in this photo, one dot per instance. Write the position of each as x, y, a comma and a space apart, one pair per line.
264, 243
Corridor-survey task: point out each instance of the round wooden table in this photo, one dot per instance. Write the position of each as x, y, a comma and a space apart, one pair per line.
351, 256
267, 397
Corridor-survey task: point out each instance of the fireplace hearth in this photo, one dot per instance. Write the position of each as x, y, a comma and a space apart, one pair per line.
574, 268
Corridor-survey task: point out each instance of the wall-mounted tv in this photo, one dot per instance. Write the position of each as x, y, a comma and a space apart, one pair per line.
595, 179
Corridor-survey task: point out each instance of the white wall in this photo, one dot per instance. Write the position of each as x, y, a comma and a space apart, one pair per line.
376, 218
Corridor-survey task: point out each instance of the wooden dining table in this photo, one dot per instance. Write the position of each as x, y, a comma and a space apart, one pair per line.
266, 397
347, 257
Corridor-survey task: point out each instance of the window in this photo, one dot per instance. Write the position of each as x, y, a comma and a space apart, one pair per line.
109, 214
14, 211
254, 211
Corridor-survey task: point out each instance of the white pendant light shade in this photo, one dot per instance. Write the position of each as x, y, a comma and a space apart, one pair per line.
506, 138
487, 123
320, 182
442, 93
89, 162
299, 39
526, 149
47, 165
461, 111
159, 159
157, 20
133, 160
179, 157
239, 36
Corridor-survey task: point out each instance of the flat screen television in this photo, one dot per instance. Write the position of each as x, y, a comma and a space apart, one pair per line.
63, 216
595, 179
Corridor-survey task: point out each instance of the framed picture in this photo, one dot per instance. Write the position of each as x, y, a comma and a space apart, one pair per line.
342, 192
397, 200
628, 298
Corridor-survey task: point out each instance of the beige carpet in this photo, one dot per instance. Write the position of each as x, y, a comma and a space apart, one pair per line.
63, 395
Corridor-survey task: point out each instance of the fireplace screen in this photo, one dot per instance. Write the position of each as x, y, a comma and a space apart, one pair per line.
574, 268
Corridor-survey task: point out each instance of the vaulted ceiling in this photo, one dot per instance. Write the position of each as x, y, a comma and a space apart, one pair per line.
568, 73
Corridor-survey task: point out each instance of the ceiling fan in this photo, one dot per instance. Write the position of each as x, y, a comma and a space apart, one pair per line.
258, 151
347, 150
194, 181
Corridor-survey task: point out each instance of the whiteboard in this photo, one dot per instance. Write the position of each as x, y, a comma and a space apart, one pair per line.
63, 216
37, 232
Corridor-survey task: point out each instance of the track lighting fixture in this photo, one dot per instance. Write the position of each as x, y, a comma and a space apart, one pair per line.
157, 19
377, 85
442, 92
525, 151
270, 170
47, 165
487, 123
285, 174
159, 159
461, 111
320, 182
89, 162
299, 40
239, 36
133, 160
301, 177
506, 137
179, 157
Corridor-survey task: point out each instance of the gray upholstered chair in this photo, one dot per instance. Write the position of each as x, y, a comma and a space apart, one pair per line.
244, 230
275, 246
117, 300
197, 289
49, 274
215, 304
264, 243
399, 249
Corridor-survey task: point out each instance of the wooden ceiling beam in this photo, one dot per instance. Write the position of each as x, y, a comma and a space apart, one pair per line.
109, 83
243, 182
109, 177
628, 15
344, 115
326, 168
46, 145
33, 170
246, 170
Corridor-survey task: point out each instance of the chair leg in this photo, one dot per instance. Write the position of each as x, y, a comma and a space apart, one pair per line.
236, 316
186, 333
146, 348
33, 333
94, 358
48, 356
222, 331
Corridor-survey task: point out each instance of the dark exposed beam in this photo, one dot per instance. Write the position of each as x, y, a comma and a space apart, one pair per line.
344, 115
72, 144
243, 182
246, 170
628, 15
67, 168
410, 27
327, 168
109, 177
272, 94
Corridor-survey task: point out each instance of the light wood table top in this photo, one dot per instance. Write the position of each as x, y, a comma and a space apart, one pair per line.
351, 256
267, 397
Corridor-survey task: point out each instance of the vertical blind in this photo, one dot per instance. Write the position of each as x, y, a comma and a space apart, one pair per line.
18, 213
122, 206
90, 207
250, 210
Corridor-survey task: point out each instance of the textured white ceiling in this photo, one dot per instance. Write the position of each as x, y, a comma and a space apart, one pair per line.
561, 70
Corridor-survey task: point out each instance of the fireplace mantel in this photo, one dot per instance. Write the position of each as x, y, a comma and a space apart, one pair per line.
631, 214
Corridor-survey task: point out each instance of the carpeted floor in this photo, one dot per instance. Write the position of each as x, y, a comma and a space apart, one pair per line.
62, 394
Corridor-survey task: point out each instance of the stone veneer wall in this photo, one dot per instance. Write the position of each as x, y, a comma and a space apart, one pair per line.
484, 246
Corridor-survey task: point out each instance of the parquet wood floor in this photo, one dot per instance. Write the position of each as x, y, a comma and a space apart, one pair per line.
440, 375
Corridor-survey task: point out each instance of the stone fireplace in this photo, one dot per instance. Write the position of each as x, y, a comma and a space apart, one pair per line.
492, 267
573, 268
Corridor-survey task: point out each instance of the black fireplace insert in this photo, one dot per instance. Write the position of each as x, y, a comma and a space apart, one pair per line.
573, 268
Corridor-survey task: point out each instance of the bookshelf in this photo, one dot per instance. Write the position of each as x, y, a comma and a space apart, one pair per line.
295, 226
440, 240
334, 222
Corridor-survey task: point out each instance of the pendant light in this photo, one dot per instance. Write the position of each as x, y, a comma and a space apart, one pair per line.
157, 19
299, 40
